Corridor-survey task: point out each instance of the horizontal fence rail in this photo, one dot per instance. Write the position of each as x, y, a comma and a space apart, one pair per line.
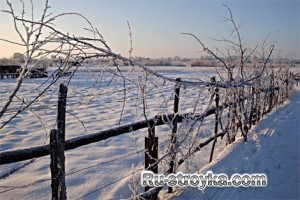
7, 157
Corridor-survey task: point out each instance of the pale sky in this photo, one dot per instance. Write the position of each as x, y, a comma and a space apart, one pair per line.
156, 25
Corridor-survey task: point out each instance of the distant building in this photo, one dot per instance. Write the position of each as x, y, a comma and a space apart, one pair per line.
9, 71
13, 71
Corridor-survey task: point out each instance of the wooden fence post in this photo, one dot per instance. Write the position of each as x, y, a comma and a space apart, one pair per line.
151, 153
287, 86
252, 110
291, 83
61, 124
174, 130
276, 96
272, 93
258, 105
57, 161
61, 110
216, 123
282, 97
54, 164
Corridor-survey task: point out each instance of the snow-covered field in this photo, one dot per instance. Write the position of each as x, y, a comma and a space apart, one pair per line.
100, 170
105, 170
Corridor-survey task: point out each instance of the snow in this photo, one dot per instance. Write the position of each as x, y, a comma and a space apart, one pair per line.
104, 170
99, 170
273, 149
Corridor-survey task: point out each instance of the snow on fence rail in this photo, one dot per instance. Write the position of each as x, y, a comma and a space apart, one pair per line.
272, 96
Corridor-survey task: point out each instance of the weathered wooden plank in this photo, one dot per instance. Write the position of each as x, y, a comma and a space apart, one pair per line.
7, 157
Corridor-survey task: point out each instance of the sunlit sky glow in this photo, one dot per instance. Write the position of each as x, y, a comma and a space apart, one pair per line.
156, 25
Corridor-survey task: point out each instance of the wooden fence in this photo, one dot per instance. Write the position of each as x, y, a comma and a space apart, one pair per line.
58, 145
